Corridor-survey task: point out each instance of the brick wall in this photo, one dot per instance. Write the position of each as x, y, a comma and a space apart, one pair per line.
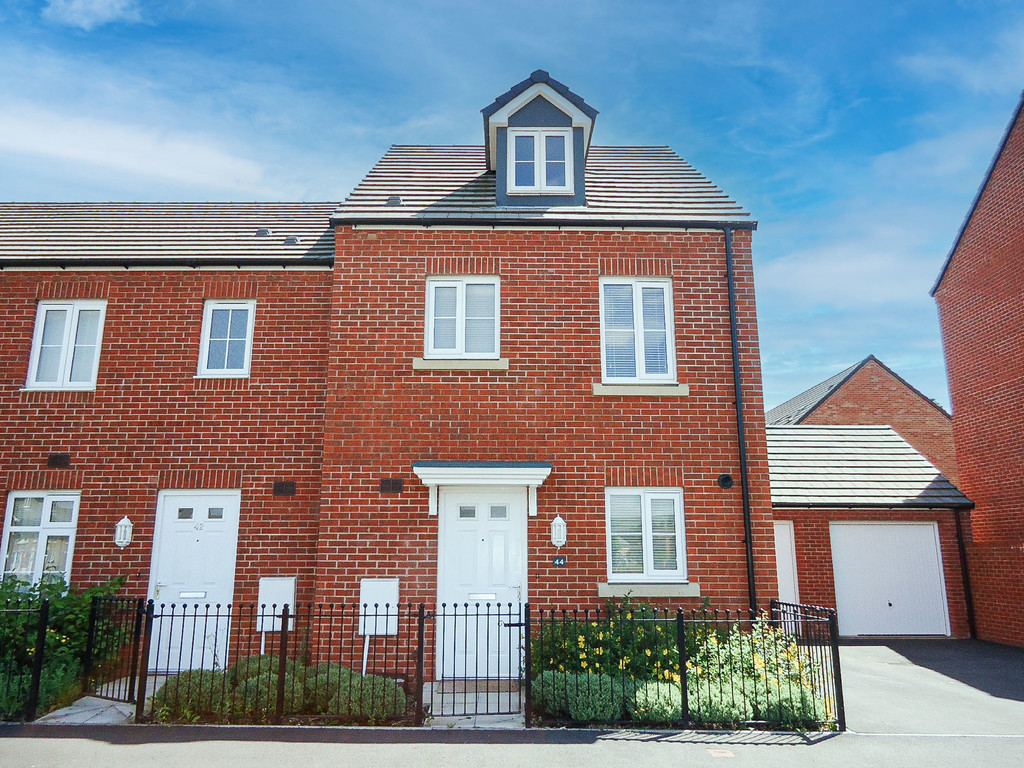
151, 425
814, 553
981, 310
382, 415
873, 395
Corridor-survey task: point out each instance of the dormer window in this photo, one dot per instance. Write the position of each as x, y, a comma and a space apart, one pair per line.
540, 161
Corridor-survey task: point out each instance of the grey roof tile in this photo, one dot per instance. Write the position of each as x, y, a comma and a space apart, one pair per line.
796, 408
158, 233
623, 184
853, 466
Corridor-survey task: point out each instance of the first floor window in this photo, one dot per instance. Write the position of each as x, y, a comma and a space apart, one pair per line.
66, 345
645, 534
226, 348
637, 343
462, 317
39, 536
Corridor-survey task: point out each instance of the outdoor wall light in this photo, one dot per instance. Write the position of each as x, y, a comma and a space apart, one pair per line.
558, 532
123, 532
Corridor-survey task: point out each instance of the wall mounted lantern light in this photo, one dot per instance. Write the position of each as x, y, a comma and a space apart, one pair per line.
558, 532
123, 532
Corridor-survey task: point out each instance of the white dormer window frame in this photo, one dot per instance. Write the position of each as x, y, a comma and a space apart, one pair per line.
529, 149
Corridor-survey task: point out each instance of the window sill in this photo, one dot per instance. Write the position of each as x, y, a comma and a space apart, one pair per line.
221, 376
453, 364
643, 390
59, 389
522, 191
683, 589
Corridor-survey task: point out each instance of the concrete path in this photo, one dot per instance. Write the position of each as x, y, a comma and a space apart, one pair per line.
91, 711
934, 687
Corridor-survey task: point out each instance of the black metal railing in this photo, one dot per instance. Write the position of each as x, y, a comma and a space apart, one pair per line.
23, 625
704, 668
631, 664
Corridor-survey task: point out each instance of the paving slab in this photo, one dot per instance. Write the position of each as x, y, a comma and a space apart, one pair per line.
90, 710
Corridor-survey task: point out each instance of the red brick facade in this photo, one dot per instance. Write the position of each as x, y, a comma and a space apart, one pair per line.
814, 553
334, 404
981, 309
875, 395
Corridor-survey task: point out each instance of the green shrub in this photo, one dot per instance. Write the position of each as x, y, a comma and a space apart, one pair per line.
582, 697
191, 696
258, 666
721, 701
658, 702
372, 697
794, 707
323, 682
256, 696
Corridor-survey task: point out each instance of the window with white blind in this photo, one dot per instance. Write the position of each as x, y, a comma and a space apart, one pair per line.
66, 345
39, 536
226, 344
462, 318
637, 343
645, 534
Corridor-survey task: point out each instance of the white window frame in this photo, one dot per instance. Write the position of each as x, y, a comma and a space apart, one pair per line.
541, 187
204, 346
459, 353
641, 377
649, 575
45, 529
74, 308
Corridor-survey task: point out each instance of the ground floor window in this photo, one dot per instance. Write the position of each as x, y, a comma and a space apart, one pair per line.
645, 534
39, 536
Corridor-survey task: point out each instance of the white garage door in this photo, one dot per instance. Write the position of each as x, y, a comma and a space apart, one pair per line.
888, 579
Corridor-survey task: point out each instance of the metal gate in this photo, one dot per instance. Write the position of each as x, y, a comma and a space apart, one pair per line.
478, 660
112, 650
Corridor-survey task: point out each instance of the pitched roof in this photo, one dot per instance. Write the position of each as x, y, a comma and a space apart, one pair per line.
798, 408
147, 234
539, 76
650, 186
1018, 115
853, 466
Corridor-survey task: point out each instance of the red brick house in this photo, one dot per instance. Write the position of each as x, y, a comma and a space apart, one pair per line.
869, 392
980, 296
414, 384
864, 523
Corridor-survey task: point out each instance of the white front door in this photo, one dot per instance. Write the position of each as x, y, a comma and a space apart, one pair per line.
889, 579
481, 580
194, 551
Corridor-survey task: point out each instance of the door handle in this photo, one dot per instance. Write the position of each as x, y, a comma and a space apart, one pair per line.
156, 590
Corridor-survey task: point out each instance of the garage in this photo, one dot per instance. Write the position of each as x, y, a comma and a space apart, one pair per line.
889, 579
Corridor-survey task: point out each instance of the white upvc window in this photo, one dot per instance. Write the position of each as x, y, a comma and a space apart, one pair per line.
645, 534
637, 339
540, 160
39, 536
226, 346
66, 345
462, 318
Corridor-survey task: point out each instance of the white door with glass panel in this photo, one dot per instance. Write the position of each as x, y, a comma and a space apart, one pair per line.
193, 564
39, 536
481, 572
645, 535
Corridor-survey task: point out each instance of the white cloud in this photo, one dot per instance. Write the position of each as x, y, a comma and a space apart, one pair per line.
88, 14
1000, 69
120, 147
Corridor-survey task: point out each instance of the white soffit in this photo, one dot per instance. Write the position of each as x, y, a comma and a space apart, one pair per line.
530, 476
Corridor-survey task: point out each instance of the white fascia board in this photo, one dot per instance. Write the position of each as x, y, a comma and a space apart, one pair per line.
482, 475
500, 118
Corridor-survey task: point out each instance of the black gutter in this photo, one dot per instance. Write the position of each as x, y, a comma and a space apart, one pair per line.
494, 221
194, 263
748, 531
965, 574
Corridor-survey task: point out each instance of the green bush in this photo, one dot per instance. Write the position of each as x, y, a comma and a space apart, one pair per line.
372, 697
191, 696
256, 696
658, 702
720, 701
323, 682
582, 697
258, 666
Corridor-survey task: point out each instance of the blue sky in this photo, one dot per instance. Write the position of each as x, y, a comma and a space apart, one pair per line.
856, 132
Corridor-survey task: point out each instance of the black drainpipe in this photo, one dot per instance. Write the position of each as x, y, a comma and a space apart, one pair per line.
965, 574
740, 428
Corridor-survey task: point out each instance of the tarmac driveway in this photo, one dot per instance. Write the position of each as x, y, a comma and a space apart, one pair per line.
933, 687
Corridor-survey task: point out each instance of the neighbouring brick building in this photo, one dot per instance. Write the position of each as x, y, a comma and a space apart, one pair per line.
869, 393
980, 295
414, 384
